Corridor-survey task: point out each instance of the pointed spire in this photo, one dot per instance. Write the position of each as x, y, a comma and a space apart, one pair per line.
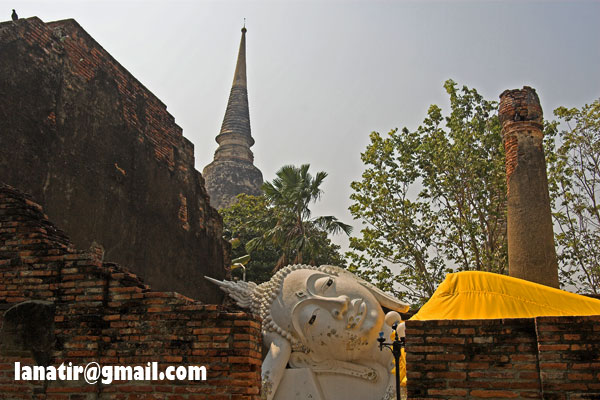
232, 170
239, 78
235, 138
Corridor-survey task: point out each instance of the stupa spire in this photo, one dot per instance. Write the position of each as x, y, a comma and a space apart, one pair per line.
232, 171
239, 78
235, 137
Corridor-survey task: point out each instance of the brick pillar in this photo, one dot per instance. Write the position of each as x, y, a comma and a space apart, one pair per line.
531, 252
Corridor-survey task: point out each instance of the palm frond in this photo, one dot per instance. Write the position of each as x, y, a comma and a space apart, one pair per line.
331, 224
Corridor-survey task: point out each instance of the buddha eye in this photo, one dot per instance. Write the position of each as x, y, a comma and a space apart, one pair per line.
324, 286
312, 319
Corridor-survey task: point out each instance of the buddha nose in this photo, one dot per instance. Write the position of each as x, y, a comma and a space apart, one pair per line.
338, 306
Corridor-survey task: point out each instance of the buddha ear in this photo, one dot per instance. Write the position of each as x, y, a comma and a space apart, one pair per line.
386, 300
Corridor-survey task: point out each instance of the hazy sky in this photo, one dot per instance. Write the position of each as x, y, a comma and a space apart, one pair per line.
323, 74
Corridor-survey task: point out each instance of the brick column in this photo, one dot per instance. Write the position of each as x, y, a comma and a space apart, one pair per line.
531, 252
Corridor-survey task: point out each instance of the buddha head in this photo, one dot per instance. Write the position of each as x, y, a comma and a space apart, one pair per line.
325, 311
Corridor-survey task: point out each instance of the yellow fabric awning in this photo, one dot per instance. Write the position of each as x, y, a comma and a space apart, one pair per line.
484, 295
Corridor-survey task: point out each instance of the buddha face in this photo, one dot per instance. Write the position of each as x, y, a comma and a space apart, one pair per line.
334, 316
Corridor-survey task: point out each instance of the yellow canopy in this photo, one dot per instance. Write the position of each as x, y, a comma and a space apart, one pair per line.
483, 295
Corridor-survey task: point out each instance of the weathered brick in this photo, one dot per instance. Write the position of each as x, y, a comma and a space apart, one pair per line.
53, 92
127, 332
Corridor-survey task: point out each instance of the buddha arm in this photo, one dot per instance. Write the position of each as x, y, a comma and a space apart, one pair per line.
274, 363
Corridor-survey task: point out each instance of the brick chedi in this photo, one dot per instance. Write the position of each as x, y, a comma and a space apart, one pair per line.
531, 252
100, 151
232, 171
63, 305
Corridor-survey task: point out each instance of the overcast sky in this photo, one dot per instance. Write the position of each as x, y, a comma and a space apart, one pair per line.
323, 74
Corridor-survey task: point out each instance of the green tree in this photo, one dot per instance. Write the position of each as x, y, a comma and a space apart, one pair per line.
574, 177
249, 217
433, 200
298, 237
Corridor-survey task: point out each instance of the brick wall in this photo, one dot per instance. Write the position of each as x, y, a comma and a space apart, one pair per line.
519, 110
101, 152
545, 357
86, 59
97, 311
569, 355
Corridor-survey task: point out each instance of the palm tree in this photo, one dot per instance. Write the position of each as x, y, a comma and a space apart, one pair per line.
299, 236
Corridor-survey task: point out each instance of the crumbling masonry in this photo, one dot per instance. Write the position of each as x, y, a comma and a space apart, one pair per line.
531, 252
102, 154
59, 304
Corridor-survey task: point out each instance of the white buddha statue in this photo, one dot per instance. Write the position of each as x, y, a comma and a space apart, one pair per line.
320, 327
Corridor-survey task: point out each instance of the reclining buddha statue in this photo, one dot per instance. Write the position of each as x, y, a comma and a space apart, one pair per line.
320, 327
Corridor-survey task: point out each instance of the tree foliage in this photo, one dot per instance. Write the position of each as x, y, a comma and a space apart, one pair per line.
277, 228
249, 217
298, 237
433, 199
574, 177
